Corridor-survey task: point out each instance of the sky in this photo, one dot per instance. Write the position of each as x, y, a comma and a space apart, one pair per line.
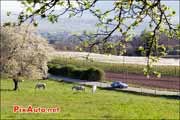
15, 7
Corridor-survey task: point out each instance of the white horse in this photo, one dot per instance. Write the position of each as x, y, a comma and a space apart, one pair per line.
40, 85
94, 88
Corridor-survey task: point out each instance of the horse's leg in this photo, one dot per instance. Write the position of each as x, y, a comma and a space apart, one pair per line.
73, 88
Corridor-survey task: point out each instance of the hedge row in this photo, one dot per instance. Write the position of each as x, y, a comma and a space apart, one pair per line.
118, 67
91, 74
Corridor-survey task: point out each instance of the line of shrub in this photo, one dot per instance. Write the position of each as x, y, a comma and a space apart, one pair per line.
91, 74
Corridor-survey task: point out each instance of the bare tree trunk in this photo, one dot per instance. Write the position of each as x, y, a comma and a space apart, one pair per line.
15, 84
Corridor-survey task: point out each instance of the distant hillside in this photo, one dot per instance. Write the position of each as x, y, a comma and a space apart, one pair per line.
68, 42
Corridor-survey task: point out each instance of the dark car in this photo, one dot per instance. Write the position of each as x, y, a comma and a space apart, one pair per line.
119, 85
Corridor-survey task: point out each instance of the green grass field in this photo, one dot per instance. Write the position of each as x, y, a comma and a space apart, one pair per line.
103, 104
117, 68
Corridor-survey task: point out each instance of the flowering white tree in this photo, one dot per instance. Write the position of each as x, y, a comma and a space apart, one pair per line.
23, 53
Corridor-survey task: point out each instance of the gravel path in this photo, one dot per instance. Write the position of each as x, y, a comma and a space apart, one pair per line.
105, 85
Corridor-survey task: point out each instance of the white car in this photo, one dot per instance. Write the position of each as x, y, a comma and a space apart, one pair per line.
119, 85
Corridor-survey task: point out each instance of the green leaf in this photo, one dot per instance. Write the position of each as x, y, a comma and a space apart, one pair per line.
116, 18
35, 23
61, 3
87, 5
29, 9
109, 20
78, 48
120, 29
124, 33
173, 12
99, 24
135, 23
85, 43
151, 33
8, 13
162, 47
24, 3
97, 11
158, 74
71, 15
29, 1
150, 25
53, 18
43, 15
141, 48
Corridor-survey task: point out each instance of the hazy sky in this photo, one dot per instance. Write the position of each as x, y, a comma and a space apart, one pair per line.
16, 6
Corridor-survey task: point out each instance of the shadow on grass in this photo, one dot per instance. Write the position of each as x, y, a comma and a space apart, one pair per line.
176, 97
6, 89
62, 81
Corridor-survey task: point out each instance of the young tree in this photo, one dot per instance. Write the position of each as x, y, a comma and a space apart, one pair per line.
23, 54
123, 17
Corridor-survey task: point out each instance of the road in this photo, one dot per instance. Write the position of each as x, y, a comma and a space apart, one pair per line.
106, 85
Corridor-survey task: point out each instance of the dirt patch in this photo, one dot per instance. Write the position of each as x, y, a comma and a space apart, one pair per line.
163, 82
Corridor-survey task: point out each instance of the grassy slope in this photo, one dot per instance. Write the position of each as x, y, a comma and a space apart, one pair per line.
103, 104
119, 68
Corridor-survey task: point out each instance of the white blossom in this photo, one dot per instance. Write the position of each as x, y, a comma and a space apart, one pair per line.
24, 52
